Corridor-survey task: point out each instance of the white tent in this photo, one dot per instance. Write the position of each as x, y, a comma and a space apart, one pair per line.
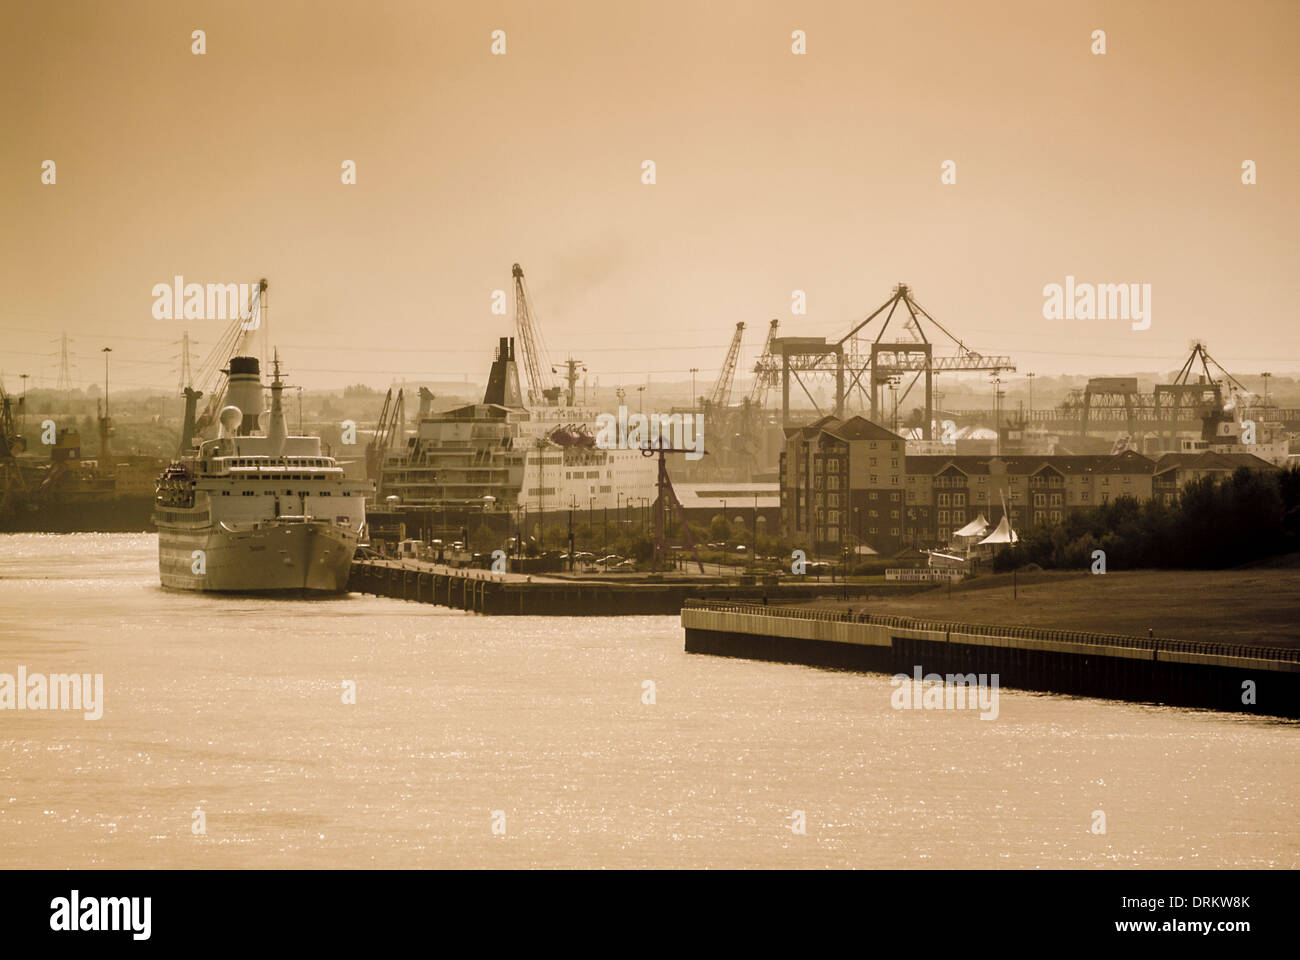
976, 528
1002, 534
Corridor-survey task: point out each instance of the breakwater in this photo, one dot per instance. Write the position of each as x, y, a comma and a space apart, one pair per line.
1235, 677
505, 594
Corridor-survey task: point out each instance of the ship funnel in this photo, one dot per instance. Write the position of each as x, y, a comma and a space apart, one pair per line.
244, 390
230, 418
503, 380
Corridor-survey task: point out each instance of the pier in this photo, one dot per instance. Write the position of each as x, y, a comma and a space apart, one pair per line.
1146, 669
481, 591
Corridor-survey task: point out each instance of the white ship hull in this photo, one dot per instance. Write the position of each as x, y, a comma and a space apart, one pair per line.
298, 556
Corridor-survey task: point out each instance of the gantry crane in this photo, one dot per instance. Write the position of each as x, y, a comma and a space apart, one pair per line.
1205, 395
863, 367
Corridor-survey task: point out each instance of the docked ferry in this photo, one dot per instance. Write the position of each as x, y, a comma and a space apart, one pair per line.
257, 510
503, 455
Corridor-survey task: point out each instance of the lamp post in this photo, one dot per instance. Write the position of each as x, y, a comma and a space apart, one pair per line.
106, 351
484, 506
573, 502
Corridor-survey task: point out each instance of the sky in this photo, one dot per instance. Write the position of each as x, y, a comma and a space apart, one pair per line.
774, 172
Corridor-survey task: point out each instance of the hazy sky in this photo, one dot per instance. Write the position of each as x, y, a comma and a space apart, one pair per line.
775, 172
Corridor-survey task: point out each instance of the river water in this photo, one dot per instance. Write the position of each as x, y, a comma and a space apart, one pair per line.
495, 742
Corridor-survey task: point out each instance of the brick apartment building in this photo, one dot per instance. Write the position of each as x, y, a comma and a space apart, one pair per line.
842, 485
1176, 470
848, 483
943, 493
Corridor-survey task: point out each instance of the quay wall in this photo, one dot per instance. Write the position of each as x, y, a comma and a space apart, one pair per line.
512, 594
1144, 669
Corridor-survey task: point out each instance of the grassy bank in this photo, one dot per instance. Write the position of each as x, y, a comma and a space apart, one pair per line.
1259, 605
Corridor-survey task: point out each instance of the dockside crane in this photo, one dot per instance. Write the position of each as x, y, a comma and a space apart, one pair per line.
767, 370
392, 414
540, 388
215, 369
720, 396
1204, 394
861, 366
12, 484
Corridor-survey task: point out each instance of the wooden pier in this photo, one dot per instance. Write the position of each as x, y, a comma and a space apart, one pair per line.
1242, 678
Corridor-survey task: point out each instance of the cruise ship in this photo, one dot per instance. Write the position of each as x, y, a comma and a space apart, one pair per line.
256, 510
504, 456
